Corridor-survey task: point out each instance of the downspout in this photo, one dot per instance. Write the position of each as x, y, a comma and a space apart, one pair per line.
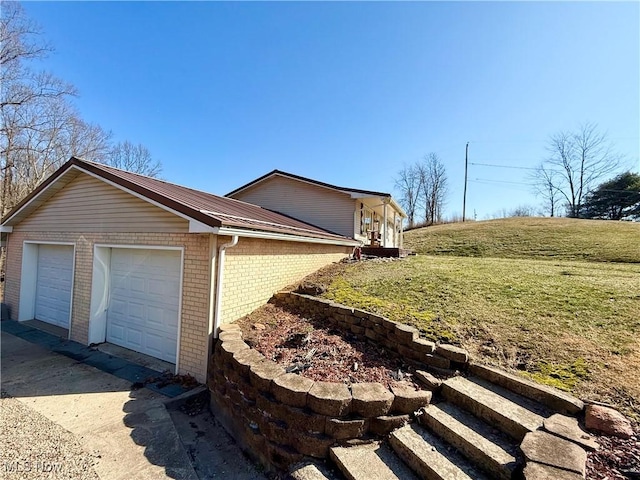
219, 281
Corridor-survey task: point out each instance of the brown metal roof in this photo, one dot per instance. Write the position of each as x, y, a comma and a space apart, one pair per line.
209, 209
308, 180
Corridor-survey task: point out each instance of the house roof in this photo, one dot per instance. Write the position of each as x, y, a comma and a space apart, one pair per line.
354, 192
205, 211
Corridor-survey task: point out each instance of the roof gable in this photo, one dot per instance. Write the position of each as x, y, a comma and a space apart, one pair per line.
353, 192
310, 181
87, 204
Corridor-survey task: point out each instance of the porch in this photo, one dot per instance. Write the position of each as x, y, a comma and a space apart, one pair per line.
379, 224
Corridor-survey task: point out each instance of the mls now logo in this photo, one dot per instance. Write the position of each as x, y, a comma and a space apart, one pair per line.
26, 466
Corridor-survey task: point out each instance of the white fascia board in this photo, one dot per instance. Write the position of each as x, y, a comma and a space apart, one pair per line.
386, 199
365, 195
398, 208
6, 229
283, 237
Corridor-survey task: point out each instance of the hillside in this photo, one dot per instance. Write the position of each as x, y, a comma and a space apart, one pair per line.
533, 238
565, 313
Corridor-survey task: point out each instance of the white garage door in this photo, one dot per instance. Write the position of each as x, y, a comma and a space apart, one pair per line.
53, 284
144, 301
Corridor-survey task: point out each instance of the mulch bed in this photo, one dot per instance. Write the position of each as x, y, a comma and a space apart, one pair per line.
318, 352
616, 459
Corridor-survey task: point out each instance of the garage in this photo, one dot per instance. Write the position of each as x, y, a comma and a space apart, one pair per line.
54, 279
144, 301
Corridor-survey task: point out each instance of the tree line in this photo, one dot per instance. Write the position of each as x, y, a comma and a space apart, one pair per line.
40, 126
570, 179
423, 189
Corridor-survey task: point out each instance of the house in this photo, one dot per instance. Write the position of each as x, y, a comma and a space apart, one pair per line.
374, 218
109, 255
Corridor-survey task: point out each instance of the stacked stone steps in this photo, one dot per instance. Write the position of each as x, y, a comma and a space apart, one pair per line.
551, 398
370, 461
430, 457
505, 410
474, 432
480, 443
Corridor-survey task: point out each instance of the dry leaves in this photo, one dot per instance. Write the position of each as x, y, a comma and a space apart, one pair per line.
318, 352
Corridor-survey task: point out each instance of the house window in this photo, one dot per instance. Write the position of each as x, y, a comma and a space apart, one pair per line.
366, 219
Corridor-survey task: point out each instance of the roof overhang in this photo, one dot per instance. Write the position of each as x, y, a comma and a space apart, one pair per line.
200, 221
229, 231
352, 192
388, 199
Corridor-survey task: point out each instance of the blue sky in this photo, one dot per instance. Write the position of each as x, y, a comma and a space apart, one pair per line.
347, 93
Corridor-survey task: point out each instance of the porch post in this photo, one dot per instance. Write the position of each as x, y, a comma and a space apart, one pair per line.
384, 214
395, 224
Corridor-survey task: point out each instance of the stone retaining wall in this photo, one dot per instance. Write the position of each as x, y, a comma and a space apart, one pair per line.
280, 417
396, 337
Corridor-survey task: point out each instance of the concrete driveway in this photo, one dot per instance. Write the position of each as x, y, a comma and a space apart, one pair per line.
92, 424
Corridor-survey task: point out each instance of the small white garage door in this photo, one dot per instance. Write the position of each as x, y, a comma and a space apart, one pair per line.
53, 284
144, 301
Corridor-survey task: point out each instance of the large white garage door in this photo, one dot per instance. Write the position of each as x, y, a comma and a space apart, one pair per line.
53, 284
144, 301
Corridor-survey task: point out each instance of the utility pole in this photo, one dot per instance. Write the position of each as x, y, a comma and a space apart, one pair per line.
466, 164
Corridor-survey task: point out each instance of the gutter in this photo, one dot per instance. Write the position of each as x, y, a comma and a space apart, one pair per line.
348, 242
214, 323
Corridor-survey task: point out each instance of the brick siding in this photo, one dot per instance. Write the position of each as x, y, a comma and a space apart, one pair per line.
255, 269
195, 292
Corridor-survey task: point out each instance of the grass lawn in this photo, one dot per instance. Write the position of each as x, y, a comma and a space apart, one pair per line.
564, 316
532, 237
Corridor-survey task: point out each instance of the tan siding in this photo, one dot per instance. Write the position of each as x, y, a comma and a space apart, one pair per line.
255, 269
331, 210
194, 319
90, 205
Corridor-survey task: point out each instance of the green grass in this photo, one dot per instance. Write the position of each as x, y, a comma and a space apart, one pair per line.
549, 313
531, 237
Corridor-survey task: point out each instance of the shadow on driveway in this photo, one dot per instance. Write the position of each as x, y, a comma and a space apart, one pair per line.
128, 433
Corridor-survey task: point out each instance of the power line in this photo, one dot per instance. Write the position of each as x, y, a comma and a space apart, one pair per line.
502, 166
515, 188
501, 181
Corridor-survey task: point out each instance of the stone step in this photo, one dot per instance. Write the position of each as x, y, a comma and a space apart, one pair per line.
430, 457
311, 470
488, 448
371, 461
507, 411
553, 398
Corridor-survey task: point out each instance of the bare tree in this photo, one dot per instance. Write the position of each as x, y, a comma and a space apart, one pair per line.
41, 128
23, 98
408, 184
433, 187
134, 158
579, 160
523, 211
545, 183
